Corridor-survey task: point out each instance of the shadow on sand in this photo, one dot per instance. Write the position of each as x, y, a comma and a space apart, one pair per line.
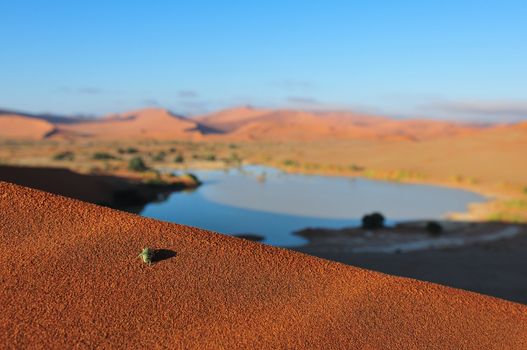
163, 254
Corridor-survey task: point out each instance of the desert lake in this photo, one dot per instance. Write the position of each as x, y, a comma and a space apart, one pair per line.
268, 202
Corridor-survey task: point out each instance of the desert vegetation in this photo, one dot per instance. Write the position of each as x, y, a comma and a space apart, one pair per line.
434, 228
159, 156
103, 156
373, 221
317, 157
66, 155
179, 159
127, 150
147, 255
137, 164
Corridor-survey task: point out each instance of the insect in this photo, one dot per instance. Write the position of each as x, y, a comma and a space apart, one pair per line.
147, 254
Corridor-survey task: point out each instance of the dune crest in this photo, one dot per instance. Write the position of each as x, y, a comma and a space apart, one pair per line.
256, 124
241, 123
14, 126
71, 277
230, 119
153, 123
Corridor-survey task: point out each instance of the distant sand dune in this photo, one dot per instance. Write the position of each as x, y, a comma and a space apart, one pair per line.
71, 278
153, 123
20, 127
260, 124
243, 123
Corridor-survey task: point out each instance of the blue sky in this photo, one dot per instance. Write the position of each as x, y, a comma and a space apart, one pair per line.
451, 59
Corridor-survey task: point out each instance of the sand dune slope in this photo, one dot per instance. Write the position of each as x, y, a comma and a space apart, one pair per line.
232, 118
70, 276
260, 124
14, 126
146, 123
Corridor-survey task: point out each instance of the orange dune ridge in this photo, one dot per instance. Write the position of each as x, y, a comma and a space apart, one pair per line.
259, 124
244, 123
14, 126
151, 123
231, 119
71, 277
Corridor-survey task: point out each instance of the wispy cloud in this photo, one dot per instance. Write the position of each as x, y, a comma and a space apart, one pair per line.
89, 90
151, 102
292, 85
310, 103
187, 94
302, 100
86, 90
484, 110
192, 107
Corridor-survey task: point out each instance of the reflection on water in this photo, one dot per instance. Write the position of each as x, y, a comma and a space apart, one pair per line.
265, 201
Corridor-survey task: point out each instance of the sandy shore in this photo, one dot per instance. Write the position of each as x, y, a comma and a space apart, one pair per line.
71, 278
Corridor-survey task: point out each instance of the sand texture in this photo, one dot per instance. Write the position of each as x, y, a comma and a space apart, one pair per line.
70, 277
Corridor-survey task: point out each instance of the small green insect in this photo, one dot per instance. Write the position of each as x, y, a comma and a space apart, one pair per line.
147, 255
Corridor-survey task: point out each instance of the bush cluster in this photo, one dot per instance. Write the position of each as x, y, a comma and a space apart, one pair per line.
102, 156
179, 158
373, 221
434, 228
159, 157
137, 164
128, 150
67, 155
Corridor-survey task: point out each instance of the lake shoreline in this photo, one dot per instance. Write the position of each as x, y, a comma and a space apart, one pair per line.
125, 193
506, 191
275, 204
475, 211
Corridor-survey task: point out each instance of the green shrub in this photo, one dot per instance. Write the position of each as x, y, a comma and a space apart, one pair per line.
67, 155
179, 158
137, 164
234, 158
290, 162
355, 167
208, 157
129, 150
102, 156
373, 221
159, 157
146, 255
434, 228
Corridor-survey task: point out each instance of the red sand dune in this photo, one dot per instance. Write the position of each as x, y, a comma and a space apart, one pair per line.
231, 119
153, 123
71, 278
13, 126
244, 123
257, 124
